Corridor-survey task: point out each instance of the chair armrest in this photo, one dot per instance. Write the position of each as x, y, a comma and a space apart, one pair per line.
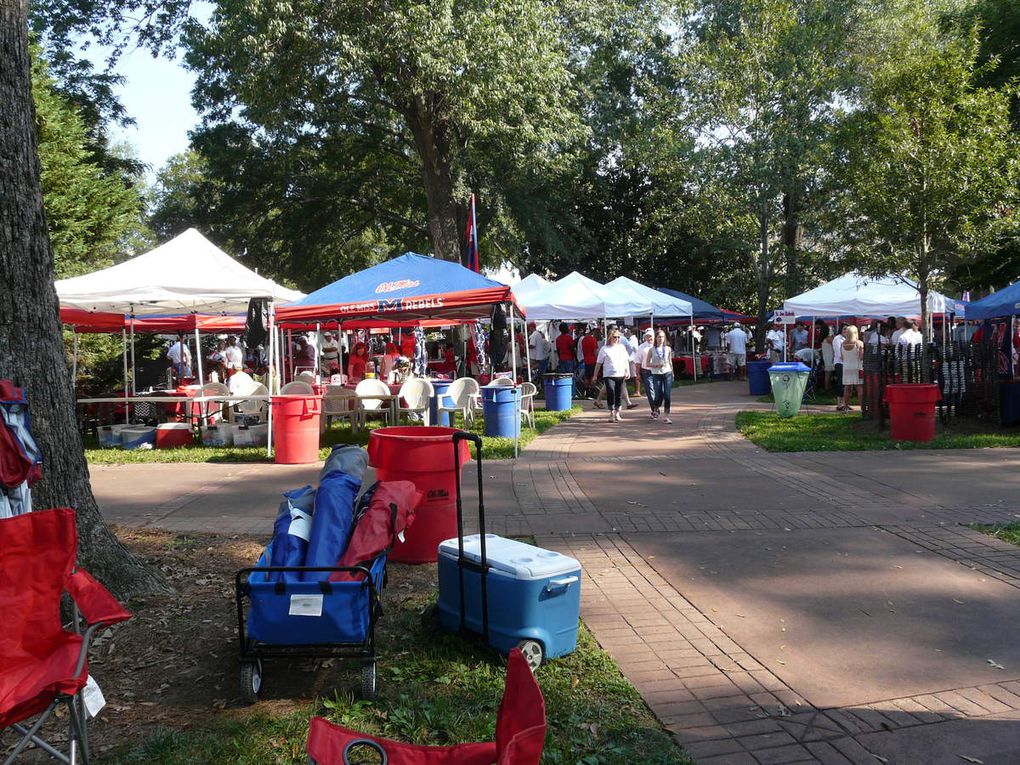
94, 601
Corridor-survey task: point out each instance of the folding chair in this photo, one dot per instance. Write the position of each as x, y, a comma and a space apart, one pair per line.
520, 733
42, 664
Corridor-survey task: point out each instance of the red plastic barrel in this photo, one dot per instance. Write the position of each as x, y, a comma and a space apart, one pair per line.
912, 411
425, 457
296, 429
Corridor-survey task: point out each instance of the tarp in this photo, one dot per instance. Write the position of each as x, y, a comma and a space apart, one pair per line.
1005, 302
853, 294
702, 310
577, 297
405, 289
664, 305
188, 274
529, 284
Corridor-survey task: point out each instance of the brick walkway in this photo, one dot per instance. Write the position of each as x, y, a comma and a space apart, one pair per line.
770, 608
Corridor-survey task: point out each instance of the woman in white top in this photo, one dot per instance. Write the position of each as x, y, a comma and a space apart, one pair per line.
659, 359
853, 364
613, 363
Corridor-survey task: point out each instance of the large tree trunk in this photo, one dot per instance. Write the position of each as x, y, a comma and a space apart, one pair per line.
764, 278
31, 346
432, 139
793, 233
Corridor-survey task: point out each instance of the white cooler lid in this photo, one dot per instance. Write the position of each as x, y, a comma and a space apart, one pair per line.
518, 559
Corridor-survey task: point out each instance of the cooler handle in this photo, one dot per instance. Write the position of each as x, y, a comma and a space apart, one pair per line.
458, 436
556, 584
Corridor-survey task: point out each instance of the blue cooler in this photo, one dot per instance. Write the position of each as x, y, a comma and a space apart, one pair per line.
439, 387
501, 408
533, 594
558, 390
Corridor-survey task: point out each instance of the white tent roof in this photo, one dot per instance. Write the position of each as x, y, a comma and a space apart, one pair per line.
855, 295
527, 285
578, 297
663, 304
188, 274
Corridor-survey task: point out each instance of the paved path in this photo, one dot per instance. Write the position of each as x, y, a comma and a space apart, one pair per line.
770, 608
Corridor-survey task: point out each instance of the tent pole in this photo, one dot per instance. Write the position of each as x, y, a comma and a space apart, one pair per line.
317, 341
527, 348
134, 387
694, 361
290, 354
269, 379
198, 354
127, 405
74, 361
513, 372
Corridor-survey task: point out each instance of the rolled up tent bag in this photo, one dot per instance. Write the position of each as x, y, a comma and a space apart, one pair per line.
352, 460
331, 523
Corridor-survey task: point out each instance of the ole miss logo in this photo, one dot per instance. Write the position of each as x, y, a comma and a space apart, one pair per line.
399, 284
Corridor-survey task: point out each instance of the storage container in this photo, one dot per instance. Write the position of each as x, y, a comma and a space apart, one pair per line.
533, 594
251, 435
218, 435
173, 435
136, 436
109, 435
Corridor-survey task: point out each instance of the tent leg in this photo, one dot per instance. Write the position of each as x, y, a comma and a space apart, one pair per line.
527, 350
127, 405
269, 379
694, 361
318, 341
134, 387
198, 355
513, 372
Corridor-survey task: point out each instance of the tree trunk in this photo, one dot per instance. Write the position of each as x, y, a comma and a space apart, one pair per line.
793, 233
432, 139
31, 345
763, 278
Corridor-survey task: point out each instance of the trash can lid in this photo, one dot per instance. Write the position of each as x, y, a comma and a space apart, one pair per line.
789, 366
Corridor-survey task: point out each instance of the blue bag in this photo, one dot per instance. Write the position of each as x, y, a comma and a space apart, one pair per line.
352, 460
332, 522
290, 533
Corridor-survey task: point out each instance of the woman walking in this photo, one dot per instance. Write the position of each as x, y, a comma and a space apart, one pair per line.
613, 362
853, 356
659, 360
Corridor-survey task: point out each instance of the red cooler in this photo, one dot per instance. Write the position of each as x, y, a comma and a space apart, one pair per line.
425, 457
173, 435
296, 429
912, 411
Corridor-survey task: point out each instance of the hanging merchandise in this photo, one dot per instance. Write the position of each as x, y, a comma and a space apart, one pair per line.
255, 332
421, 364
498, 338
480, 346
20, 458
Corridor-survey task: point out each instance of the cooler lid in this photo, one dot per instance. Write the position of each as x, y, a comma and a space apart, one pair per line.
517, 559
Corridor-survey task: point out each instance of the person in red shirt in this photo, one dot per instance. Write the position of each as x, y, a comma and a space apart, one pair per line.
565, 350
590, 351
407, 345
356, 364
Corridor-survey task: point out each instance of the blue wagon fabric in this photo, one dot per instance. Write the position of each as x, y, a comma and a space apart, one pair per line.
291, 531
332, 522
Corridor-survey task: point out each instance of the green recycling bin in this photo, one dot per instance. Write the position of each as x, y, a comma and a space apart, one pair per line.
789, 380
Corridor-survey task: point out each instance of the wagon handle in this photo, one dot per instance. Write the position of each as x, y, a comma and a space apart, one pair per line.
462, 435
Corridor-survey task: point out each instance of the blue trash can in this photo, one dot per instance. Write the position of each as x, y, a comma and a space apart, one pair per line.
444, 419
758, 377
501, 408
558, 390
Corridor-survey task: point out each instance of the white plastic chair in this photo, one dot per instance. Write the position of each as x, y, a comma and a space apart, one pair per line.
339, 403
252, 407
504, 381
297, 388
210, 409
417, 393
373, 407
463, 393
305, 377
528, 391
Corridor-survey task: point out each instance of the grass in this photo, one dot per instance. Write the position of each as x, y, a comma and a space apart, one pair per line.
822, 398
842, 432
493, 448
435, 688
1007, 532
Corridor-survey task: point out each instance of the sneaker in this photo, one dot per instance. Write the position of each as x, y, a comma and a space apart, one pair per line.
612, 416
619, 418
632, 405
667, 421
653, 414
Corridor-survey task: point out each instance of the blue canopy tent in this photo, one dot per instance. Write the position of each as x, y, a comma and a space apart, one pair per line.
702, 310
1005, 302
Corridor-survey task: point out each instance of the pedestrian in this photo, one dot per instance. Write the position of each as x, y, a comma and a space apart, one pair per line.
799, 337
736, 350
179, 357
775, 342
590, 352
852, 350
824, 335
601, 394
901, 325
659, 359
909, 335
837, 367
643, 370
540, 348
613, 362
331, 354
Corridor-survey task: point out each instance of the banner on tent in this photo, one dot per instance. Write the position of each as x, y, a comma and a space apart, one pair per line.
785, 317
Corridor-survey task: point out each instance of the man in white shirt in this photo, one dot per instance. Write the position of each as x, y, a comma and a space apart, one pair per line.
909, 334
901, 325
641, 364
837, 363
179, 357
775, 339
540, 348
234, 357
736, 351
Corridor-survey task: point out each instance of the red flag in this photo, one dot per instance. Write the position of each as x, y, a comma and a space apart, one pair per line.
472, 260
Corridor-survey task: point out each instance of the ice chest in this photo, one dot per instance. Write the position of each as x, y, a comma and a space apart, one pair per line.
533, 594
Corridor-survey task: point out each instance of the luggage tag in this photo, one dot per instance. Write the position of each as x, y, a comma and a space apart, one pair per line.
93, 697
305, 605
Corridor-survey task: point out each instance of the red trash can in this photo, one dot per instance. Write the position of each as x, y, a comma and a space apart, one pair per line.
424, 456
296, 429
912, 411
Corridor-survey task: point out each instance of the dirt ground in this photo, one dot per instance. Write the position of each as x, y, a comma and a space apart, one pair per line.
175, 663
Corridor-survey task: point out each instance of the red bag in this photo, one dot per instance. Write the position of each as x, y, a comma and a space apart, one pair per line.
520, 732
389, 513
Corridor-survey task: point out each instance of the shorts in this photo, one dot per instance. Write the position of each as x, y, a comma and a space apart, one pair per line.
737, 359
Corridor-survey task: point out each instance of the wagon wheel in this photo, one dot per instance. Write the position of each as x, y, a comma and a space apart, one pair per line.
533, 652
368, 680
251, 680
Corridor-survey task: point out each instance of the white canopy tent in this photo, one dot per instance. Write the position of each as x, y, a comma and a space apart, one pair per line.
188, 274
527, 285
576, 297
853, 294
662, 304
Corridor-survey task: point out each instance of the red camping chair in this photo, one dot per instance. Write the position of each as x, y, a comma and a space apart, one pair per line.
43, 665
520, 733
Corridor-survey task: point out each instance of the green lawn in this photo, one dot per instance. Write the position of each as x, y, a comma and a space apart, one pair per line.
848, 432
1007, 532
822, 398
435, 688
493, 448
